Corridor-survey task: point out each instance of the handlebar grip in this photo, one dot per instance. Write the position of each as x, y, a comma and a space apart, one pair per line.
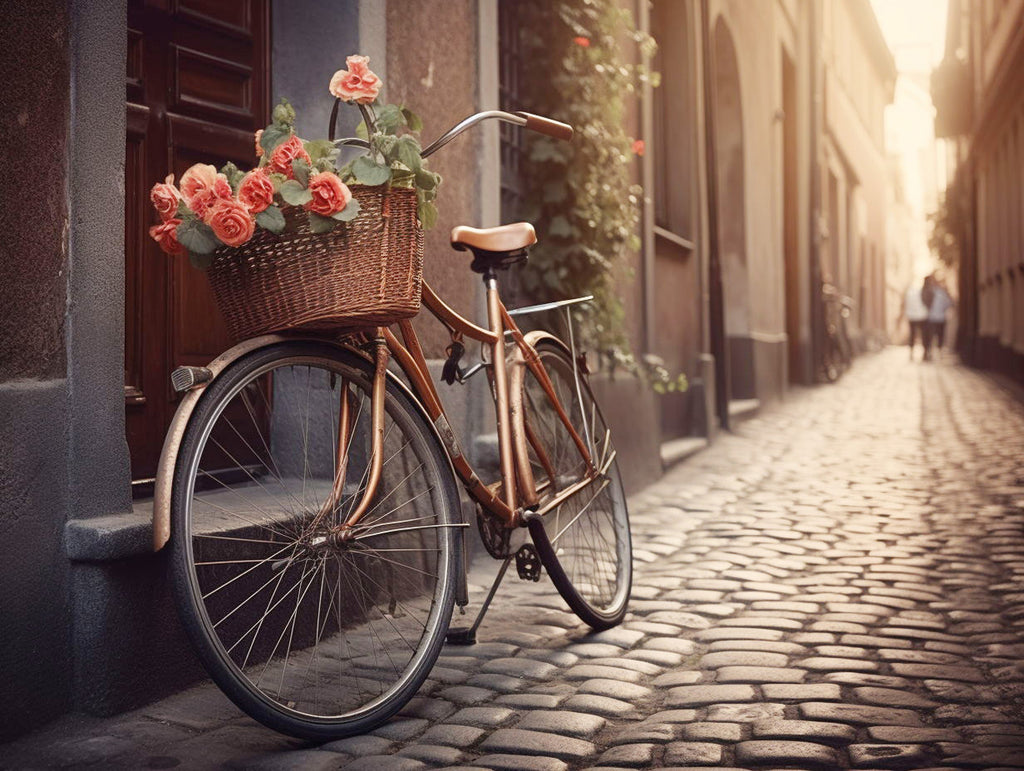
552, 128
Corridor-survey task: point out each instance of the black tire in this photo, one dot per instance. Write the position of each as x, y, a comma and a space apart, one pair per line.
312, 638
584, 543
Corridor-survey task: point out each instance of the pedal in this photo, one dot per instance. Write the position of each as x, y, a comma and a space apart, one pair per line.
528, 563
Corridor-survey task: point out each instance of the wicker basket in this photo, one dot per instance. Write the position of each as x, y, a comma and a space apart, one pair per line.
364, 273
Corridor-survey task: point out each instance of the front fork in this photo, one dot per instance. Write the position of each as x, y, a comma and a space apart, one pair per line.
343, 530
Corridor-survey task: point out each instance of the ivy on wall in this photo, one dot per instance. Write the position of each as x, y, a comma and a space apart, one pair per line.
579, 194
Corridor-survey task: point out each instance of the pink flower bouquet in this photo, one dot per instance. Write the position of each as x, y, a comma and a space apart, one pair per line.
211, 209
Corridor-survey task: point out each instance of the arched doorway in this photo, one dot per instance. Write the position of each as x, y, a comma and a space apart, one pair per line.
731, 206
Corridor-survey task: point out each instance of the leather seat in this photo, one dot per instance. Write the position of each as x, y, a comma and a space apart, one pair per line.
494, 248
504, 238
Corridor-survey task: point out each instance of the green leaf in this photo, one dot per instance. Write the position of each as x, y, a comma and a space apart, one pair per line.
184, 213
323, 164
412, 120
409, 153
369, 172
294, 193
234, 175
349, 213
200, 261
301, 171
271, 218
390, 118
427, 180
196, 236
284, 114
387, 145
319, 148
320, 224
272, 136
361, 130
426, 212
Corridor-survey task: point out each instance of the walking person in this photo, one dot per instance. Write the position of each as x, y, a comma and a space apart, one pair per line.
937, 311
916, 313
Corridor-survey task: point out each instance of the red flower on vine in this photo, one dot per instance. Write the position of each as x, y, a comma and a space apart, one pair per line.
582, 42
638, 147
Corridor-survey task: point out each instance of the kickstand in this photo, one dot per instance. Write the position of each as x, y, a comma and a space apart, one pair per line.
467, 635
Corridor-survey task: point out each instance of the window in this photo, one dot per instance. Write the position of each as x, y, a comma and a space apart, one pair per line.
509, 75
674, 118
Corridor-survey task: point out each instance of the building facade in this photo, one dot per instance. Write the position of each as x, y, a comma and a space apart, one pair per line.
761, 173
977, 91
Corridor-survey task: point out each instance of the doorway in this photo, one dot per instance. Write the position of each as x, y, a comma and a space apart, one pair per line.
197, 88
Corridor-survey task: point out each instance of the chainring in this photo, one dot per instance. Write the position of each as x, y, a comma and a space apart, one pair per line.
495, 534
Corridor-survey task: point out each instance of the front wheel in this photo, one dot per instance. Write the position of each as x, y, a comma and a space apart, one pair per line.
312, 635
584, 543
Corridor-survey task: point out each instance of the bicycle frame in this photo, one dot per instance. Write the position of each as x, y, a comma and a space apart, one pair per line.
519, 495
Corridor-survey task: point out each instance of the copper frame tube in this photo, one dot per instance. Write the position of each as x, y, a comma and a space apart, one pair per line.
341, 455
423, 387
377, 437
512, 442
450, 318
495, 311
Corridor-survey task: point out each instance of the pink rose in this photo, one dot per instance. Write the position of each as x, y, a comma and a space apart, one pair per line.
357, 83
166, 237
231, 222
259, 147
256, 192
330, 194
286, 152
165, 197
198, 177
204, 199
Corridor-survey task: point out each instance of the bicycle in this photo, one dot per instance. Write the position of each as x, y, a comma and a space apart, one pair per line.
315, 524
838, 354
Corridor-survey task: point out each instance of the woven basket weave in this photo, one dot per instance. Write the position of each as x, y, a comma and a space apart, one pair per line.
364, 273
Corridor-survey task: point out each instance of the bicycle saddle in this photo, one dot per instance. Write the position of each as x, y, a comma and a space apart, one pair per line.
494, 248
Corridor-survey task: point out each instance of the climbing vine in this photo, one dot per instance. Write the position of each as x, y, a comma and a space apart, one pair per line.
579, 194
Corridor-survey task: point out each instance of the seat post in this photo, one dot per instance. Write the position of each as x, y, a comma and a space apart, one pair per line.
501, 389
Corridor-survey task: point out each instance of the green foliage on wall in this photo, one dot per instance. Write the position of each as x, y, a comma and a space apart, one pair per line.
578, 67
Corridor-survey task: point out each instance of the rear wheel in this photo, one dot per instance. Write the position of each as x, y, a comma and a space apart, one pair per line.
313, 636
584, 543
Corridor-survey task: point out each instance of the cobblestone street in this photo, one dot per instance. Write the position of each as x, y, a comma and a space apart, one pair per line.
837, 584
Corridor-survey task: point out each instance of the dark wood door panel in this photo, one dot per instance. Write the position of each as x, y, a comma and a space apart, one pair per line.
197, 78
232, 18
211, 85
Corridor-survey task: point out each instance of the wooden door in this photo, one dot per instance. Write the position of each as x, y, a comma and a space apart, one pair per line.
197, 89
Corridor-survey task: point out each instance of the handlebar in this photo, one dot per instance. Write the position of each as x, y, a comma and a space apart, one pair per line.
552, 128
538, 123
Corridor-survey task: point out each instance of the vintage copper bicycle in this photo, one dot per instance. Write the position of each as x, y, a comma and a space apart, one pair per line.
308, 490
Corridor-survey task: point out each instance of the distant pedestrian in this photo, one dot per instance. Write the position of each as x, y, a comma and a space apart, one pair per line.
916, 313
927, 297
937, 310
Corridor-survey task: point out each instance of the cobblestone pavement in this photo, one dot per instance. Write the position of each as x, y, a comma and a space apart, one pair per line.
839, 584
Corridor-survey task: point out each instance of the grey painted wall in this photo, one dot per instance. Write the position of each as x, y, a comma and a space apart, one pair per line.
34, 73
311, 39
98, 451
